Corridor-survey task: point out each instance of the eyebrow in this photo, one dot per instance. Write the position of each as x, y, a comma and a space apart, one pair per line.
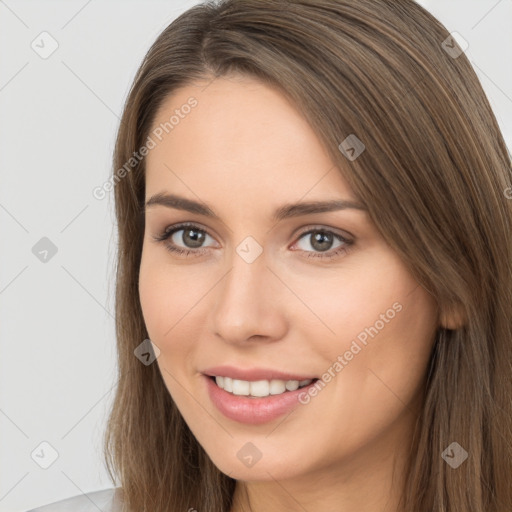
284, 212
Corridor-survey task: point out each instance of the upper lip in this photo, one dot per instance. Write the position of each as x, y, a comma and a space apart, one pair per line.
253, 374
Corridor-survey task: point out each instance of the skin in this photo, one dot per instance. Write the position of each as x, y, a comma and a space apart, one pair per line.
245, 151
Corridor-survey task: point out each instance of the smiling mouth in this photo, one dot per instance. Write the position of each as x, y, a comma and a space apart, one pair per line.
259, 388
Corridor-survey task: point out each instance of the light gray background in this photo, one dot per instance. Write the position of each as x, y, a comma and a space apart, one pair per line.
58, 121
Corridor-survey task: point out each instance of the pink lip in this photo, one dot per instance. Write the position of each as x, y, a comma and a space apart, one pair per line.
253, 374
253, 410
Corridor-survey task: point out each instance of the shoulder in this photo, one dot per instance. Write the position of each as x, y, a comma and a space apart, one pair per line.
108, 500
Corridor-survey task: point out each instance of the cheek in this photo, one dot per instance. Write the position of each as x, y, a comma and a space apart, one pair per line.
385, 358
377, 333
357, 302
167, 296
172, 315
376, 365
173, 312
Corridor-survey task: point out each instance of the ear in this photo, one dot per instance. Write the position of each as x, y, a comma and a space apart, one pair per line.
452, 317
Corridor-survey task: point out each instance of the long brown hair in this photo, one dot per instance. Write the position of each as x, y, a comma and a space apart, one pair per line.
434, 175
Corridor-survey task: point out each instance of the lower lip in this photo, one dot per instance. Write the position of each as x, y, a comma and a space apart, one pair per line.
253, 410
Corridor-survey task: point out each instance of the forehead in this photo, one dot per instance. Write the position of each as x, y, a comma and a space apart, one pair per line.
241, 135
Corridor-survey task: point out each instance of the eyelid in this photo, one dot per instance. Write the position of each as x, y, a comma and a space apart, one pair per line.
173, 228
321, 227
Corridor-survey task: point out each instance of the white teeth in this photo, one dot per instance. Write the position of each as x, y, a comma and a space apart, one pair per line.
241, 387
259, 388
228, 384
277, 387
292, 385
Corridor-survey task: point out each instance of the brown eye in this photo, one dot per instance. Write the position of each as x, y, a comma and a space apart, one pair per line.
184, 239
321, 241
191, 237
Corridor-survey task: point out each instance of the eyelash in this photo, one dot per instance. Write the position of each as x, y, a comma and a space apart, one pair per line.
169, 231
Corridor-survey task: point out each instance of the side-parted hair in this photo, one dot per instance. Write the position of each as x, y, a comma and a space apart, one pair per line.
436, 177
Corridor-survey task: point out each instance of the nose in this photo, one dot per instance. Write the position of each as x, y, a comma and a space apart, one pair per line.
250, 303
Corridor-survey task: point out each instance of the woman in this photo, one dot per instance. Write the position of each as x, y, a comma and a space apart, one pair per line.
314, 275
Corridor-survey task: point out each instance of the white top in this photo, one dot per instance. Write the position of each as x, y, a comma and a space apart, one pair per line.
108, 500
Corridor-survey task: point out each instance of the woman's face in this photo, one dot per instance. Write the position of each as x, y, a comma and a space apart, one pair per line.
269, 294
